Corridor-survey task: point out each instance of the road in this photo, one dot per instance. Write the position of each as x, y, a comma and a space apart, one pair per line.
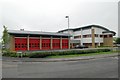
97, 68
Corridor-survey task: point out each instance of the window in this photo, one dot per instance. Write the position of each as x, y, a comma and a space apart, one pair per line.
79, 36
15, 46
96, 35
110, 35
87, 36
84, 36
101, 35
105, 36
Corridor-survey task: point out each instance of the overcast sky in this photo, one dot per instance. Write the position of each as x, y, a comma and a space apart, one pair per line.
49, 15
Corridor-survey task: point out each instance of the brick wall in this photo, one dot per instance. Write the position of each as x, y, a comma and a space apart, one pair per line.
12, 43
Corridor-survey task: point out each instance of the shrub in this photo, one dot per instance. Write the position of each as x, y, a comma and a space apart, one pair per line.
45, 54
118, 40
39, 54
13, 54
9, 53
6, 54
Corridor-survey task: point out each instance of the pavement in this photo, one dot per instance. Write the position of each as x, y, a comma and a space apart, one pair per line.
13, 59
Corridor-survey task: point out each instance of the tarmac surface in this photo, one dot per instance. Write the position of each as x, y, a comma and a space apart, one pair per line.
106, 67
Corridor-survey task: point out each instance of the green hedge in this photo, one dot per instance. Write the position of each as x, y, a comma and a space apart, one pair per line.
45, 54
13, 54
9, 53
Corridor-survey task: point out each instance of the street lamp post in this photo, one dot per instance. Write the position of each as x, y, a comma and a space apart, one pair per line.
68, 22
68, 30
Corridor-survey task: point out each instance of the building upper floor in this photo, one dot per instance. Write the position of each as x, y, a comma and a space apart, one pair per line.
86, 32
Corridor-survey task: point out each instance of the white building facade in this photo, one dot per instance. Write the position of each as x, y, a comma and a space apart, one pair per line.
90, 36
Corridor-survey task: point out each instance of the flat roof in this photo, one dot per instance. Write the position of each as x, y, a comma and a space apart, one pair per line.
37, 33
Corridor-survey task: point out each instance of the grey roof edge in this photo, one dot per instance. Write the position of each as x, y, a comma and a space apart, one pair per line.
65, 30
98, 26
89, 26
114, 33
37, 33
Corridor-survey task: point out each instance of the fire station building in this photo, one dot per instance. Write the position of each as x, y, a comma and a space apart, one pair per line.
21, 40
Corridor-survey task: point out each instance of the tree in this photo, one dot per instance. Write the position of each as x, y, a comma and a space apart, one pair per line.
118, 40
114, 39
5, 37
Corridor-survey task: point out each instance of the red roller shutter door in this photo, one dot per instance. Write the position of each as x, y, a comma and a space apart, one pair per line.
34, 44
64, 43
45, 44
56, 43
20, 44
